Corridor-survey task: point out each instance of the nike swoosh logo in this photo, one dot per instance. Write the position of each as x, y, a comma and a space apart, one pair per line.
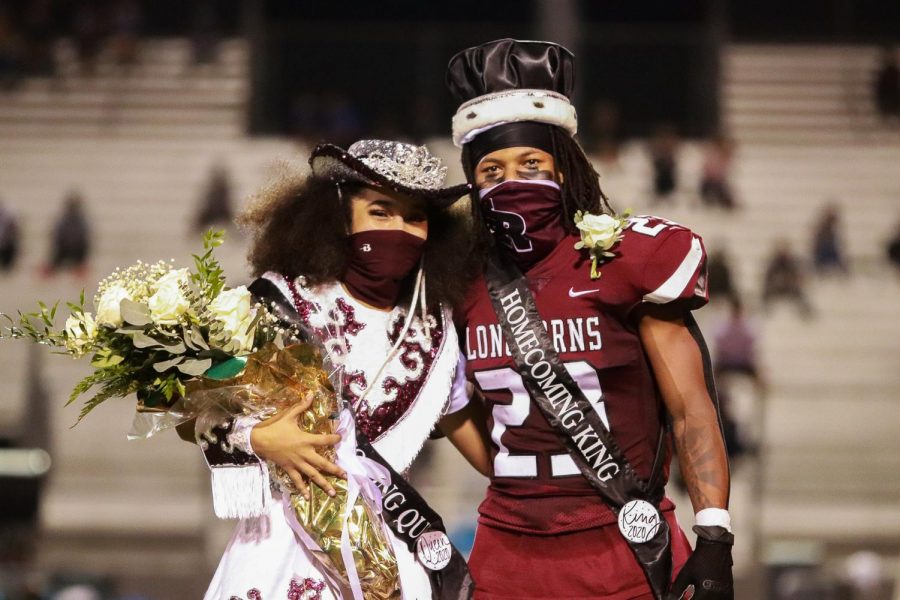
574, 294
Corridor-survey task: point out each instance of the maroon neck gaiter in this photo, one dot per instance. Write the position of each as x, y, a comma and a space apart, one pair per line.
380, 259
526, 218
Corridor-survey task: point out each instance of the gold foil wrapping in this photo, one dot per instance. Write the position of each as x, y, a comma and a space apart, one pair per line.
275, 379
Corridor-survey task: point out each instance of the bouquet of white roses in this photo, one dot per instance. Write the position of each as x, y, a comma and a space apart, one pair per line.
192, 349
154, 328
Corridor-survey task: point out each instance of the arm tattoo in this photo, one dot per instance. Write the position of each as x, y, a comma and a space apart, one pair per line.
704, 466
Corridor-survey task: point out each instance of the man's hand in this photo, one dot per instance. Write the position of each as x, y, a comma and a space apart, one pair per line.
707, 573
279, 439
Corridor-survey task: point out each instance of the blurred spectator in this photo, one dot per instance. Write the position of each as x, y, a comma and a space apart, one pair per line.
784, 279
887, 86
205, 33
127, 19
734, 346
828, 255
386, 126
715, 187
78, 591
893, 249
864, 572
604, 132
9, 239
663, 154
425, 119
71, 241
735, 445
305, 121
332, 116
215, 206
89, 31
11, 62
719, 281
37, 27
342, 120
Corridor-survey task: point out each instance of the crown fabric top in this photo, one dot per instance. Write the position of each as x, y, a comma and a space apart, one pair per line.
508, 80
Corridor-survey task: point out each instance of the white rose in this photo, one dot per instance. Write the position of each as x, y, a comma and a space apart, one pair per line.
168, 302
232, 307
109, 310
244, 337
599, 231
234, 310
80, 331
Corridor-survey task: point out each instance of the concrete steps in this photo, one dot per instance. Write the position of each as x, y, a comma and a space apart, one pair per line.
160, 96
800, 95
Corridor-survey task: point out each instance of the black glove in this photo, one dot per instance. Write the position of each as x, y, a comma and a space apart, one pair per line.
708, 570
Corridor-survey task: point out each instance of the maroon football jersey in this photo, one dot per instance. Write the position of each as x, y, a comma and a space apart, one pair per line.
535, 486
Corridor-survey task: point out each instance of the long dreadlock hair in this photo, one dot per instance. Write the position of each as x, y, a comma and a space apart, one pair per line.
580, 188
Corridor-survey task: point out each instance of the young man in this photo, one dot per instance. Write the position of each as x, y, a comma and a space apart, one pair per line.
587, 380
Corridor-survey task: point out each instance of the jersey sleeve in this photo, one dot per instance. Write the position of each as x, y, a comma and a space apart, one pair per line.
675, 274
459, 390
672, 272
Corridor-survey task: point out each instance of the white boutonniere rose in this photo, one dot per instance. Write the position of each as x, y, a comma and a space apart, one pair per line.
599, 234
168, 302
109, 311
234, 310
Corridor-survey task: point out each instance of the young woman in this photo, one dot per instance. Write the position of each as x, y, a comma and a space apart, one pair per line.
580, 372
365, 251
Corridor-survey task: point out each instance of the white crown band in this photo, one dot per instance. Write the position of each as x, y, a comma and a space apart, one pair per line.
488, 111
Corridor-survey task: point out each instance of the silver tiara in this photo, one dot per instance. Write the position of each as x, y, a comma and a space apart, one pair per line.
404, 164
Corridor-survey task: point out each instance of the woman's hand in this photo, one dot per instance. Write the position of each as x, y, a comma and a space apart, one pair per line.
279, 439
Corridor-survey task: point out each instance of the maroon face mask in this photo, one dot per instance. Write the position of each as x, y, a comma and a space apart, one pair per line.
525, 218
380, 259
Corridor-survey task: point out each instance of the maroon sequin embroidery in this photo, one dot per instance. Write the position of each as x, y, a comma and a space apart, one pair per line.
355, 380
374, 423
308, 589
303, 306
349, 323
341, 324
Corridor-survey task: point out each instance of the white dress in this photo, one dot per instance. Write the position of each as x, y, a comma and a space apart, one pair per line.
265, 559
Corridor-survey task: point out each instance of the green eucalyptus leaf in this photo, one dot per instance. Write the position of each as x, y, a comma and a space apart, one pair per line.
167, 364
135, 313
197, 338
188, 342
176, 348
142, 340
195, 368
130, 329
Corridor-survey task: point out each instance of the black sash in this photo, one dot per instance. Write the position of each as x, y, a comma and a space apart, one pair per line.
553, 390
406, 512
409, 516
